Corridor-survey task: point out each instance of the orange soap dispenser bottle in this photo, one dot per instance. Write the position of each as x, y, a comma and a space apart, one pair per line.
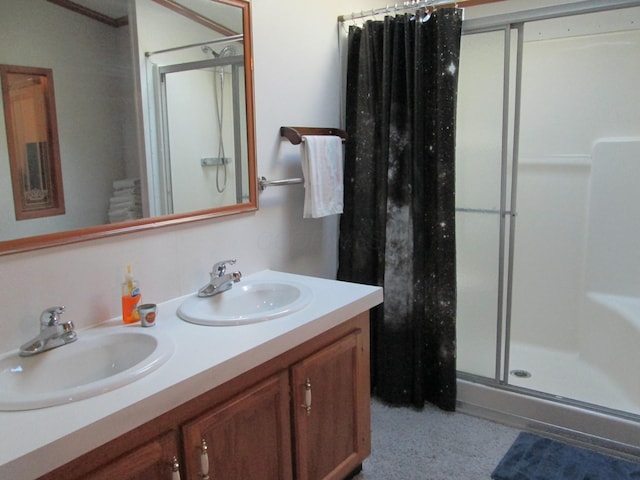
130, 298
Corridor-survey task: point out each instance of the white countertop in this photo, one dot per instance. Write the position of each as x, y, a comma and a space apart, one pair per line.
34, 442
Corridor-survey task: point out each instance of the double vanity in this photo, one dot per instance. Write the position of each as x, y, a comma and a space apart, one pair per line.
269, 379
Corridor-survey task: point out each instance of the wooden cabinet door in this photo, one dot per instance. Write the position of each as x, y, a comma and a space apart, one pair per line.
153, 460
248, 437
331, 409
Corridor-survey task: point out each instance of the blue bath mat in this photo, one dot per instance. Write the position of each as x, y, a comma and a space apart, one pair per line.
535, 458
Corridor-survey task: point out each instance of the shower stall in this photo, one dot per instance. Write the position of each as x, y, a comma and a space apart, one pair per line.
548, 220
194, 98
201, 108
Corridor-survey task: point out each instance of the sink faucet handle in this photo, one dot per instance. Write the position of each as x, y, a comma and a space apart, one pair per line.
51, 316
220, 268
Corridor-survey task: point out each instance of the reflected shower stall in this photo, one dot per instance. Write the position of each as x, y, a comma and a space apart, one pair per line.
198, 91
200, 110
548, 226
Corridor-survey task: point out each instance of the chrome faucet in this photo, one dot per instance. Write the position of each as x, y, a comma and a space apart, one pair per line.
220, 280
52, 334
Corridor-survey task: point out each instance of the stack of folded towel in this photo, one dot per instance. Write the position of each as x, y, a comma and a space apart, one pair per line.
126, 202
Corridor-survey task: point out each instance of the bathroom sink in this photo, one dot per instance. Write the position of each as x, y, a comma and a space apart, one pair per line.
99, 361
247, 302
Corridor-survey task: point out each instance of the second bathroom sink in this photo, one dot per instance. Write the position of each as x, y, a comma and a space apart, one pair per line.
247, 302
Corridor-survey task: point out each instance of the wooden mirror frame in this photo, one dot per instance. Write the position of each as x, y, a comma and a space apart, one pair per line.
104, 231
30, 112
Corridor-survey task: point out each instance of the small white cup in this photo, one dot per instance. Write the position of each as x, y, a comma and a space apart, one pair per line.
148, 313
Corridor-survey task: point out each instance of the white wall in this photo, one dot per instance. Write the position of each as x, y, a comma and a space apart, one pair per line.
297, 82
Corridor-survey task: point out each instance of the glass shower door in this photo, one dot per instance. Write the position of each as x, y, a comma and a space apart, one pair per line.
481, 199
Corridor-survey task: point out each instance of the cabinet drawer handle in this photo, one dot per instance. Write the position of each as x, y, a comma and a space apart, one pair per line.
204, 460
307, 396
175, 468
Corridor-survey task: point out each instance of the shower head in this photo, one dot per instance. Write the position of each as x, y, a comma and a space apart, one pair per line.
208, 49
227, 51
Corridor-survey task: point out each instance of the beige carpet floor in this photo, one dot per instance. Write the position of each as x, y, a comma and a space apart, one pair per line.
431, 444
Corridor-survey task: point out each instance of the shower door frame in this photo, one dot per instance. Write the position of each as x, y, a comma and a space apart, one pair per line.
509, 23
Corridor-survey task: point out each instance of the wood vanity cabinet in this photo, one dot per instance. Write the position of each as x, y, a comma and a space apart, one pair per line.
303, 415
247, 437
331, 421
153, 460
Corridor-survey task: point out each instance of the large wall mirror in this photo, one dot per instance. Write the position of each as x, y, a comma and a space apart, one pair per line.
154, 113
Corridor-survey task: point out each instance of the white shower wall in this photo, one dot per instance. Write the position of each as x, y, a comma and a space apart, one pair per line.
576, 90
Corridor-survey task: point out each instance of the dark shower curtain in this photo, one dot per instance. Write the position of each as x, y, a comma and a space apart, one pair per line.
398, 226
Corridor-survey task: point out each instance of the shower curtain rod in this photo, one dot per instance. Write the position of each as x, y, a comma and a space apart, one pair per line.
229, 39
585, 5
411, 5
394, 8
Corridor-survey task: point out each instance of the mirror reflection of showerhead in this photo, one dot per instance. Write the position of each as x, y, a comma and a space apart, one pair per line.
228, 51
207, 49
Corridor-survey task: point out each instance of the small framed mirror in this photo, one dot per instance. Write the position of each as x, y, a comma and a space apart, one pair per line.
32, 141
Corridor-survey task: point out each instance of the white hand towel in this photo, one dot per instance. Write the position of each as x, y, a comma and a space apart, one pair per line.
323, 175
